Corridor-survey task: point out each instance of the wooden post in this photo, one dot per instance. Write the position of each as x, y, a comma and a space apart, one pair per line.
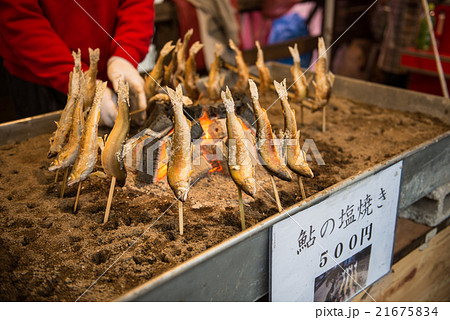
64, 182
110, 196
180, 216
241, 208
78, 195
275, 191
302, 188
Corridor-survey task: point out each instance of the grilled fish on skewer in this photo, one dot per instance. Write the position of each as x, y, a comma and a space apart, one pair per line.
181, 57
300, 82
112, 154
215, 82
242, 83
324, 80
89, 141
172, 67
190, 76
91, 78
295, 156
152, 80
179, 168
239, 162
59, 137
69, 152
267, 152
264, 74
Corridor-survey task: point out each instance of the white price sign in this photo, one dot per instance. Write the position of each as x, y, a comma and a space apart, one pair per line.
336, 248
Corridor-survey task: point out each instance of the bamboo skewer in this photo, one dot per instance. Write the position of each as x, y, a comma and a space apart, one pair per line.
275, 191
324, 118
180, 216
78, 195
64, 182
241, 208
110, 196
137, 111
302, 188
56, 176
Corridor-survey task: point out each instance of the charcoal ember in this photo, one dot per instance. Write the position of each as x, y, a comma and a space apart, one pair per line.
216, 110
161, 123
193, 111
196, 130
244, 107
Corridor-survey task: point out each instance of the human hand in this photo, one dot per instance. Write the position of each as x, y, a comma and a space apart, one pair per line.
119, 68
108, 108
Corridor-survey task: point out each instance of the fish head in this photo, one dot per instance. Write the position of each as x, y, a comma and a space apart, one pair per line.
181, 190
72, 179
249, 186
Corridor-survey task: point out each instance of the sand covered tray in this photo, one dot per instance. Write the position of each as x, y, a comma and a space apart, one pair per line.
49, 253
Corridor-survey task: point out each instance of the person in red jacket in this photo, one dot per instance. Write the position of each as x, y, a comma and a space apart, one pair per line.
38, 36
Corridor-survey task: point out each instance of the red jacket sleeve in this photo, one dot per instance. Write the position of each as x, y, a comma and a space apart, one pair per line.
28, 38
134, 30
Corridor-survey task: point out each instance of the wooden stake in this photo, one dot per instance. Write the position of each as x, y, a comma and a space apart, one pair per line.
56, 176
180, 216
63, 185
324, 116
78, 195
110, 196
275, 191
301, 113
302, 188
241, 208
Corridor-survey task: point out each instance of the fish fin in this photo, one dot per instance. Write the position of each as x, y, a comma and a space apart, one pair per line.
99, 174
57, 124
314, 84
222, 81
100, 143
331, 77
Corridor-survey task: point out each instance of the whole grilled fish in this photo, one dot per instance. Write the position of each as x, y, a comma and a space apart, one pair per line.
69, 152
296, 160
179, 168
242, 170
267, 152
264, 74
87, 156
242, 83
169, 70
190, 76
215, 82
151, 81
181, 57
91, 78
324, 80
300, 82
59, 138
112, 154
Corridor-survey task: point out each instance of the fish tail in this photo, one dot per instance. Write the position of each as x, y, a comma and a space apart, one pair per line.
280, 87
94, 56
321, 47
77, 59
195, 48
253, 90
233, 46
176, 97
218, 48
168, 47
295, 54
228, 100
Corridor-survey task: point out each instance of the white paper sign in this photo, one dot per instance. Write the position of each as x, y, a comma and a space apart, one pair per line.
334, 249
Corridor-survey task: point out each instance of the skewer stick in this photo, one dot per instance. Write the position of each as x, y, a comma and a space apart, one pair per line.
302, 188
78, 195
180, 216
324, 119
56, 176
64, 182
275, 191
241, 208
110, 196
301, 113
137, 111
